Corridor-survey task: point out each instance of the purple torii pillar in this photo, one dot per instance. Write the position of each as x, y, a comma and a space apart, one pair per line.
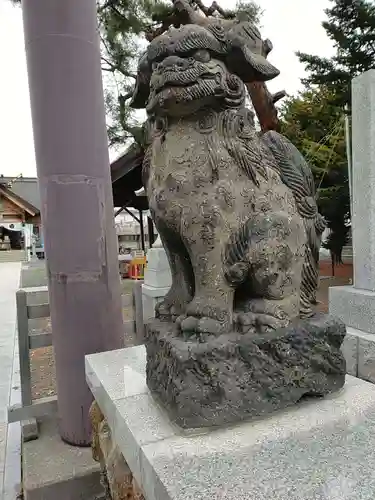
66, 93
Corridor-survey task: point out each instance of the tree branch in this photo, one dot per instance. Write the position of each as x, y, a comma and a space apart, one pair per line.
278, 96
128, 95
115, 9
115, 67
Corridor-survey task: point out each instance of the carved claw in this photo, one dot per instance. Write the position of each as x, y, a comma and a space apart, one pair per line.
163, 310
261, 316
258, 323
192, 325
166, 310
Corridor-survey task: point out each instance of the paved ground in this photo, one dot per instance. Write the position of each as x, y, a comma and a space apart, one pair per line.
9, 282
344, 270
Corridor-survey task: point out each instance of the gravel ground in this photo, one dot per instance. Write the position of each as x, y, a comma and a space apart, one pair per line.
43, 375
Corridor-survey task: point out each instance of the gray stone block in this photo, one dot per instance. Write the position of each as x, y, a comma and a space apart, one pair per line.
138, 306
319, 449
120, 367
359, 351
150, 297
29, 429
355, 307
53, 469
34, 275
37, 295
363, 222
157, 272
366, 357
349, 349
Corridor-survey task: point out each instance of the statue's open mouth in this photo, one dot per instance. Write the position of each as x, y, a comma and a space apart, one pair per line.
173, 94
176, 79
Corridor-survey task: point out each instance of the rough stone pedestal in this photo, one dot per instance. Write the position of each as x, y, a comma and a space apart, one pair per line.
320, 449
355, 305
157, 280
210, 381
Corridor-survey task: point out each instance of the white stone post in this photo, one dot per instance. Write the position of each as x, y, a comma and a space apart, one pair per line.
157, 279
355, 305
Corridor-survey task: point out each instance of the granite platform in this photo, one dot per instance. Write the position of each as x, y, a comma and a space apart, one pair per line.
55, 470
320, 449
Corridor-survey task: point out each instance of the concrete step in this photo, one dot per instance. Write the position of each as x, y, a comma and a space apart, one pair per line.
13, 256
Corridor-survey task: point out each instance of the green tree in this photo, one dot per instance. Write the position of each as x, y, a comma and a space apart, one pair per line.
317, 128
351, 27
122, 24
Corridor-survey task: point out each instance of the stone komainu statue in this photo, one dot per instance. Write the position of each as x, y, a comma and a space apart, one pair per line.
237, 215
235, 209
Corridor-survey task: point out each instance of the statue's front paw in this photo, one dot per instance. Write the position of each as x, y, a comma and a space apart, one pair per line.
167, 310
257, 323
261, 316
163, 310
191, 325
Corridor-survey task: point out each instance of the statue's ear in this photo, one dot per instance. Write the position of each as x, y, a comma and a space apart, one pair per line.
142, 84
245, 55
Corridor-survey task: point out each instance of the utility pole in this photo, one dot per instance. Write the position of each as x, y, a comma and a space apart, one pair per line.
67, 104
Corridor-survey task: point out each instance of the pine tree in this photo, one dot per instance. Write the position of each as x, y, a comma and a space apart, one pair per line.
121, 26
317, 129
351, 27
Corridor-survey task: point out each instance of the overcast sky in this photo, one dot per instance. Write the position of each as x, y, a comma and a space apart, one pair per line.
291, 25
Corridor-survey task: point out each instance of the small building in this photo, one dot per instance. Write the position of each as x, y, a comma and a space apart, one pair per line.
128, 230
20, 220
19, 200
19, 212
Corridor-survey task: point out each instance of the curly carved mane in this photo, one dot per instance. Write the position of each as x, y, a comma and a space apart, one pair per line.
277, 152
236, 129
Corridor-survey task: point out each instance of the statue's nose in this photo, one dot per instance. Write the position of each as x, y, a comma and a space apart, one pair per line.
175, 61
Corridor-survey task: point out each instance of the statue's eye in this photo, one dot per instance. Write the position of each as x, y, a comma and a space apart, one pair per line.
202, 56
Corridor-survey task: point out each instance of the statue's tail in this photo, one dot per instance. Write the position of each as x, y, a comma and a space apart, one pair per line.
296, 174
252, 232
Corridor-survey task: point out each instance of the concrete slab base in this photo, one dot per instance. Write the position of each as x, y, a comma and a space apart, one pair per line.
318, 449
354, 306
55, 470
359, 352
